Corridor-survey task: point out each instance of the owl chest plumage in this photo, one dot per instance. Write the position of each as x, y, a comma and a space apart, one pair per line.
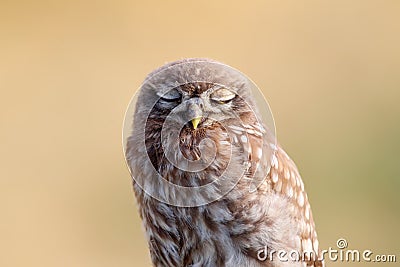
227, 232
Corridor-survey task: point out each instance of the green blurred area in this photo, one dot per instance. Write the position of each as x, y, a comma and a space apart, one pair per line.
330, 71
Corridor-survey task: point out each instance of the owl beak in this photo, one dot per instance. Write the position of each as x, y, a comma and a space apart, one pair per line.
195, 122
195, 111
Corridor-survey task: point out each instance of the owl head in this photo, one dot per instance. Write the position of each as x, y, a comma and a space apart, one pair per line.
197, 92
196, 121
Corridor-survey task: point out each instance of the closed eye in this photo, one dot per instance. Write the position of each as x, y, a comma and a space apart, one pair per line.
167, 99
222, 96
223, 102
170, 96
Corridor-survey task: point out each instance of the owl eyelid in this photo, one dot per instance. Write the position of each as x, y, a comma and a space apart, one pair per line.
174, 97
222, 96
170, 99
222, 101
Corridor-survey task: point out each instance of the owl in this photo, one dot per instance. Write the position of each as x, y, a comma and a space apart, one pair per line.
212, 185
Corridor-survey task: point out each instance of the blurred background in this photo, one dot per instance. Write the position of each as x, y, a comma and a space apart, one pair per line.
68, 69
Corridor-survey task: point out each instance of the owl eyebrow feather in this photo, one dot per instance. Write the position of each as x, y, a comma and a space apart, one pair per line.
196, 88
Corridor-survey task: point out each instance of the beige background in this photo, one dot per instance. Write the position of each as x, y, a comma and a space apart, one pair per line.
330, 71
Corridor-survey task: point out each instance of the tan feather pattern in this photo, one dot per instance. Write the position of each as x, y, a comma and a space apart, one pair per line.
284, 179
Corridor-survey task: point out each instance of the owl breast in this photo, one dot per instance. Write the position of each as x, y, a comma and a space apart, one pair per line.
205, 153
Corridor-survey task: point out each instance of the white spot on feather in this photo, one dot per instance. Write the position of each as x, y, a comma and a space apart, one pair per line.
274, 161
287, 173
300, 199
273, 146
235, 139
307, 212
289, 190
307, 245
278, 186
258, 153
274, 177
316, 244
236, 128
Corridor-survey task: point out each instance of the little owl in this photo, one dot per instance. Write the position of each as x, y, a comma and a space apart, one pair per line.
212, 185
